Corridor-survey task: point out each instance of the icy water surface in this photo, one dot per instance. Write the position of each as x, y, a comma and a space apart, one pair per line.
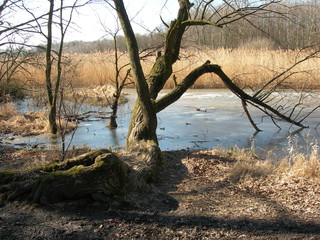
200, 119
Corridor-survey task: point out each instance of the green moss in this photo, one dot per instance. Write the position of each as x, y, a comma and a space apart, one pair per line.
97, 173
51, 167
159, 74
8, 172
86, 159
75, 171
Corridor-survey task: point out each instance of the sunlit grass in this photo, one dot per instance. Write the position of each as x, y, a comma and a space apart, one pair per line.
29, 124
300, 165
247, 67
248, 165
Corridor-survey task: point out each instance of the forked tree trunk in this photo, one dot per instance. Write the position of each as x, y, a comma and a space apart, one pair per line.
142, 136
142, 126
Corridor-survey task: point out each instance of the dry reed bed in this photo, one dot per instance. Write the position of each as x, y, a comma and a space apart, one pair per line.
29, 124
254, 68
247, 67
294, 165
99, 96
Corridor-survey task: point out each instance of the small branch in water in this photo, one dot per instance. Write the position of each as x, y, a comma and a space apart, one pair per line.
201, 110
196, 143
244, 105
86, 115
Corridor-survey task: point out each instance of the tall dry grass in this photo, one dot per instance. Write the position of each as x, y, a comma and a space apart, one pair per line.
29, 124
300, 165
247, 67
253, 67
294, 165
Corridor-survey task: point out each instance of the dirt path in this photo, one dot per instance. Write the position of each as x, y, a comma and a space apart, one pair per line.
201, 202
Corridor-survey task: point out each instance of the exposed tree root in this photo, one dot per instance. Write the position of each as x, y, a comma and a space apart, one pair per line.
99, 174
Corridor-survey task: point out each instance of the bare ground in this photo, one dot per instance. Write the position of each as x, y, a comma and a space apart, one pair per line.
200, 200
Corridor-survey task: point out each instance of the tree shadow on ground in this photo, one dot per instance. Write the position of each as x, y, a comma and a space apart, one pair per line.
162, 212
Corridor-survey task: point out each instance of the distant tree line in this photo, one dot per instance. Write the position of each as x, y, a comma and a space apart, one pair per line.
286, 25
295, 27
145, 41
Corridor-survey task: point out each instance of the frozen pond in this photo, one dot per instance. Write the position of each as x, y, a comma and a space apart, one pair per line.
200, 119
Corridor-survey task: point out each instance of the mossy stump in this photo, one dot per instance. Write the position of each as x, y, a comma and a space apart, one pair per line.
98, 174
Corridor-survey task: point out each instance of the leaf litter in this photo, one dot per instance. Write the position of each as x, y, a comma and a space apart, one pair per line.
204, 200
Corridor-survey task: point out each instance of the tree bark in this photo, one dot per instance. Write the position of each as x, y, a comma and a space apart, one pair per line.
112, 122
143, 121
114, 107
51, 100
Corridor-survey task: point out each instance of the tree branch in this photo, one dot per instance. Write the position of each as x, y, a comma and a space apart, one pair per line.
199, 23
189, 80
175, 94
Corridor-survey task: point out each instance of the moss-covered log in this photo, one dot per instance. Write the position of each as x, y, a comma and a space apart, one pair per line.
99, 174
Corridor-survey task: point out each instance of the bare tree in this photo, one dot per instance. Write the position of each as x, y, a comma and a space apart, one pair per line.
34, 23
120, 80
12, 61
286, 24
14, 54
53, 87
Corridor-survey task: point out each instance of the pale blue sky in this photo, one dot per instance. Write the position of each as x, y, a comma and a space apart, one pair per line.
144, 12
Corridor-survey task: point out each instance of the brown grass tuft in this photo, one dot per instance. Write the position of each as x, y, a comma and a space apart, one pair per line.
29, 124
305, 166
7, 111
247, 165
257, 169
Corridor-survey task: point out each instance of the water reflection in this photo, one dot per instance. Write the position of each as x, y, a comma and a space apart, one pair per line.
200, 119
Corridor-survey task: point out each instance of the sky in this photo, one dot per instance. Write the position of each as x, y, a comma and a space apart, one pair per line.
144, 13
88, 20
